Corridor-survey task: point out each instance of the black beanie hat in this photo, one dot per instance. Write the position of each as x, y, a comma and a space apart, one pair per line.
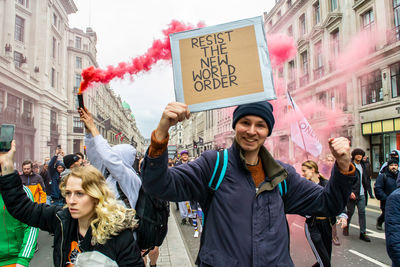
261, 109
69, 160
393, 161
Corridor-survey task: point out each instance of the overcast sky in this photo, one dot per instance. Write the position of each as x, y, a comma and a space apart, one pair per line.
126, 29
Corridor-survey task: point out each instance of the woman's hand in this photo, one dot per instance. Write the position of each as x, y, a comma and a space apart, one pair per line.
87, 119
7, 160
343, 222
173, 113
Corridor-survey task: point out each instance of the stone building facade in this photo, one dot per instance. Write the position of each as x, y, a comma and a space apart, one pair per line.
40, 61
368, 95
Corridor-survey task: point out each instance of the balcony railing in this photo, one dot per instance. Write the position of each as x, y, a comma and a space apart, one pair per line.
319, 73
78, 130
9, 116
291, 86
394, 35
304, 80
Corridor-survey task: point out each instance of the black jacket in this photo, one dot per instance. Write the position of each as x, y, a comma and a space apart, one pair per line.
53, 219
356, 185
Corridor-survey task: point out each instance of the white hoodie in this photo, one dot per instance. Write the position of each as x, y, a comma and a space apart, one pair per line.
118, 160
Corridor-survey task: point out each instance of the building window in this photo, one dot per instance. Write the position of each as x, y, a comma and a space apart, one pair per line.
78, 62
302, 23
54, 50
13, 106
290, 31
304, 69
78, 79
55, 18
395, 79
319, 62
1, 101
317, 13
335, 48
53, 120
368, 20
371, 87
18, 59
291, 71
396, 12
78, 42
279, 14
53, 77
24, 3
27, 114
19, 28
304, 62
289, 3
333, 5
78, 125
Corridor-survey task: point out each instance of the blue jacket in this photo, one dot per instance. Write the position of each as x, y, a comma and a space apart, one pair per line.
245, 227
392, 227
55, 177
385, 186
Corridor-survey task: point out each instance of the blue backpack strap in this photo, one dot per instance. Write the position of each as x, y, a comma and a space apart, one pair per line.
219, 170
282, 188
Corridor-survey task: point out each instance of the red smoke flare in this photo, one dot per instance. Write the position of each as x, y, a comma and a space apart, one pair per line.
160, 49
281, 48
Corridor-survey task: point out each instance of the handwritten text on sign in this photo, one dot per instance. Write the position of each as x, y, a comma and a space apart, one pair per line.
220, 65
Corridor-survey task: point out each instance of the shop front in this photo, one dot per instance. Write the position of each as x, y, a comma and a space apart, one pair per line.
384, 136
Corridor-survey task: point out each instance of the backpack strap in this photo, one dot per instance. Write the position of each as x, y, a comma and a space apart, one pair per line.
123, 197
219, 170
283, 188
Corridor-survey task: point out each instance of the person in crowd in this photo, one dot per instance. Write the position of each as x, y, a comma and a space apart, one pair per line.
392, 155
385, 184
56, 168
188, 209
116, 163
71, 161
155, 252
368, 174
327, 165
44, 172
17, 240
392, 225
34, 182
35, 167
319, 229
358, 196
247, 211
92, 228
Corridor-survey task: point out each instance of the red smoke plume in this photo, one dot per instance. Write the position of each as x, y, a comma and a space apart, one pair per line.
160, 49
281, 48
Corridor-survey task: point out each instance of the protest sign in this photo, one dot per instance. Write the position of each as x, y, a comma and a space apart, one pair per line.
222, 65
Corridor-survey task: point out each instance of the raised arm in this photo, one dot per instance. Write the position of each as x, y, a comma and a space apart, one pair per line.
306, 198
17, 202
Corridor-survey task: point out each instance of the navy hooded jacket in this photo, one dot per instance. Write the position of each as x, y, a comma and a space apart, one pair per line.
245, 226
392, 226
55, 177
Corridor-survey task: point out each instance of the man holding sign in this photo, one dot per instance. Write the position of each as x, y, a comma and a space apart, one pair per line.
245, 222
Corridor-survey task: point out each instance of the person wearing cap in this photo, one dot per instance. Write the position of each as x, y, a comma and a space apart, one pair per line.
392, 155
70, 161
56, 167
184, 158
385, 184
359, 195
245, 224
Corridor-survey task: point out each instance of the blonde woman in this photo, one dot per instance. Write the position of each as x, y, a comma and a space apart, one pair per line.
319, 229
91, 230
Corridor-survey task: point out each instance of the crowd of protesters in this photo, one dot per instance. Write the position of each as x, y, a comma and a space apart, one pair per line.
88, 204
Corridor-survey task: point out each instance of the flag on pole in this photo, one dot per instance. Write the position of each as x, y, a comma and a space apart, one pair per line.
301, 132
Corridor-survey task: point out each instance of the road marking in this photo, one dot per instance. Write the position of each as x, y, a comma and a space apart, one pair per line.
370, 232
373, 210
368, 258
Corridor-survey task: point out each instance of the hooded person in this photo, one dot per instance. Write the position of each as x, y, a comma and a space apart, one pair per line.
116, 163
393, 155
56, 168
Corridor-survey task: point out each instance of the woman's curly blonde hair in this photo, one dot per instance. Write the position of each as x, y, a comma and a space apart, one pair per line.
110, 217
